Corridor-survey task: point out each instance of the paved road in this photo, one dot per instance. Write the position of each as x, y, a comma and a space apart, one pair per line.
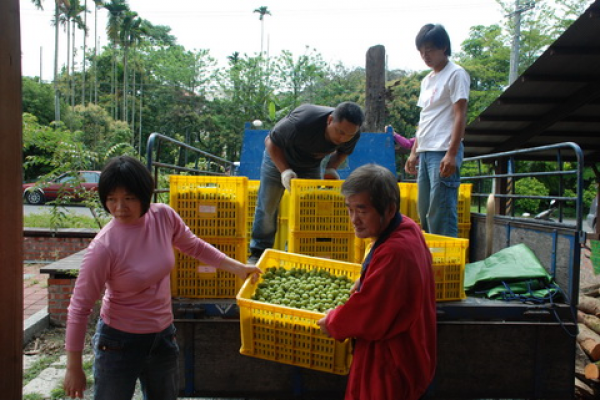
29, 209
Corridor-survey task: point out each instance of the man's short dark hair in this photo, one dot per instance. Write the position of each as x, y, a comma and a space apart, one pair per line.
130, 174
350, 112
436, 35
379, 182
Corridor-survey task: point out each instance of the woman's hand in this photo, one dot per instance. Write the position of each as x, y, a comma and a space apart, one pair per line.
75, 380
249, 270
240, 270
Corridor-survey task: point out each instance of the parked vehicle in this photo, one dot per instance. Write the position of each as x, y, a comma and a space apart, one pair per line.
70, 184
592, 216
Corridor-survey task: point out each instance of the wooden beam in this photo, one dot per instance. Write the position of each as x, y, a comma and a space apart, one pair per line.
11, 204
558, 78
576, 101
527, 118
574, 50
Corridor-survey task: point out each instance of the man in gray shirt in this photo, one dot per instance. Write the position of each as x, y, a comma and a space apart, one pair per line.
295, 148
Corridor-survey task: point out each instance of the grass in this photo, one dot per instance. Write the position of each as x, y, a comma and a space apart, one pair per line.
37, 367
48, 220
33, 396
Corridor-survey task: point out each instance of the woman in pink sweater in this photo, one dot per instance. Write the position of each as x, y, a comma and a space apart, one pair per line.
130, 260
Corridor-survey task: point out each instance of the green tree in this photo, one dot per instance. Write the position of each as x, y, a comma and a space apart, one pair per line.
487, 60
41, 143
401, 103
38, 99
339, 84
298, 78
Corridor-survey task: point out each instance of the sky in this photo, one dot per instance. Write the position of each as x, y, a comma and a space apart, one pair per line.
340, 30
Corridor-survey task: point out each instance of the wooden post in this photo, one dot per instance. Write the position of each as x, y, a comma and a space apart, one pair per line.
11, 203
375, 93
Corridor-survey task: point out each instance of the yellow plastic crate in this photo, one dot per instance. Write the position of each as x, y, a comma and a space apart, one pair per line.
464, 204
317, 205
211, 206
408, 200
209, 282
282, 235
449, 259
361, 247
290, 335
464, 230
283, 221
253, 186
336, 246
409, 195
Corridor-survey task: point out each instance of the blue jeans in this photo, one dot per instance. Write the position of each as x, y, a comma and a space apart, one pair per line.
270, 192
438, 197
122, 358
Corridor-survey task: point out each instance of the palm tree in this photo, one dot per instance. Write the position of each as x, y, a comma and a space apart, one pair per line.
59, 6
131, 34
97, 3
116, 10
74, 21
85, 32
262, 11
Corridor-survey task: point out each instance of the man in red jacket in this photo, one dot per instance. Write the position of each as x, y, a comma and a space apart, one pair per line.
391, 313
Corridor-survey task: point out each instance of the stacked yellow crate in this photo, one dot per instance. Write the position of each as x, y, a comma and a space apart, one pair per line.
408, 205
319, 224
283, 222
282, 219
216, 210
253, 186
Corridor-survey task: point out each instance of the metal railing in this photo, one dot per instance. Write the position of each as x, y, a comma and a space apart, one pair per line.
204, 163
497, 174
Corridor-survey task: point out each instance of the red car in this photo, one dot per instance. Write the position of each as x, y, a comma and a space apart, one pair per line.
39, 193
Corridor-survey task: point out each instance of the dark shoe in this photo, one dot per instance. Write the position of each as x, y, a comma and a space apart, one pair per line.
254, 257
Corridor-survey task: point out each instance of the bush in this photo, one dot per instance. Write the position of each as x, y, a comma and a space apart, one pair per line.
529, 187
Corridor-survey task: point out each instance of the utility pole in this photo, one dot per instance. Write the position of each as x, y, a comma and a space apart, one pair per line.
514, 52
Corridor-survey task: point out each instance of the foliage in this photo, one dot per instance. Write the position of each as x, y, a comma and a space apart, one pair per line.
401, 105
298, 78
486, 58
38, 100
339, 84
40, 144
529, 187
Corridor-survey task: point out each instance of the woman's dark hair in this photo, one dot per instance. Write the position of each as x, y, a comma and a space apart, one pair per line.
350, 112
436, 35
130, 174
379, 182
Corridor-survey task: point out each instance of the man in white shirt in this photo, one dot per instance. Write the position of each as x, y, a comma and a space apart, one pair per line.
438, 149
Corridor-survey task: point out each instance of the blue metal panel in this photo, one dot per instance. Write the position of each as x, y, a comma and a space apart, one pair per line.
371, 148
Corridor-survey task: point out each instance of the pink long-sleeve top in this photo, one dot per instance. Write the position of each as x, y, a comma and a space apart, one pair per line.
133, 262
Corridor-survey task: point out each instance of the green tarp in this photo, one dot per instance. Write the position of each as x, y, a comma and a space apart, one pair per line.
514, 273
